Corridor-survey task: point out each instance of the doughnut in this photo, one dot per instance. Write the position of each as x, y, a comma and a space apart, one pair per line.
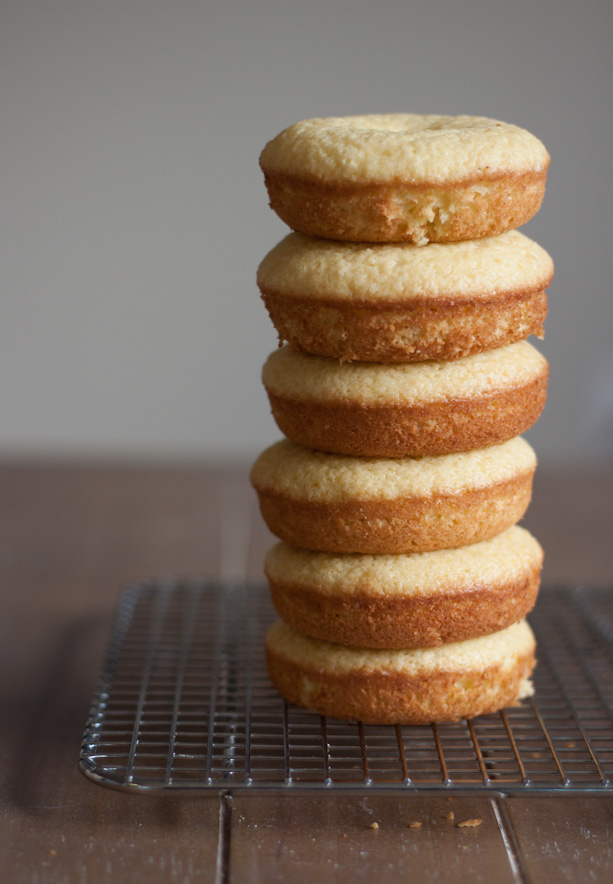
407, 601
404, 177
478, 676
370, 410
396, 302
342, 504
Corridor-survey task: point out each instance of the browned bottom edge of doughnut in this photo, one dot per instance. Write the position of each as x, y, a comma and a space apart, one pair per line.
405, 525
399, 430
399, 621
402, 212
430, 330
395, 698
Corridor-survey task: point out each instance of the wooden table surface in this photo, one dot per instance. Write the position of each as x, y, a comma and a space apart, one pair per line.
71, 537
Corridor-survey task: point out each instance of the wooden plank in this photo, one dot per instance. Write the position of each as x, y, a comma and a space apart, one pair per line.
73, 536
332, 838
565, 839
56, 825
111, 838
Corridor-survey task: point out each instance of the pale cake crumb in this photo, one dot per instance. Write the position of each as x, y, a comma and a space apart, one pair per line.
302, 376
323, 270
500, 649
450, 815
414, 825
469, 823
423, 148
286, 468
508, 556
374, 826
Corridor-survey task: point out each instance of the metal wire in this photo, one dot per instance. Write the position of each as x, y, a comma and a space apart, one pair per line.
184, 702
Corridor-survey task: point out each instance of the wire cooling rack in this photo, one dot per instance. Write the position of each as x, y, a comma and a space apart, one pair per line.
184, 702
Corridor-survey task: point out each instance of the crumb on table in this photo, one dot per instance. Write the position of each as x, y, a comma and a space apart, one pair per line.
471, 823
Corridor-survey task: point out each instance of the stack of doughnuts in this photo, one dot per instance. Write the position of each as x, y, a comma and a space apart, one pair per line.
405, 296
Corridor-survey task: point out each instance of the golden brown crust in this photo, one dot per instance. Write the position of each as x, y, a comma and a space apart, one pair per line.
376, 620
404, 525
435, 329
378, 697
400, 430
404, 211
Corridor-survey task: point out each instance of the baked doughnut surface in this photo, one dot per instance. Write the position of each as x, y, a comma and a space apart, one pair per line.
342, 504
404, 177
411, 601
459, 680
395, 302
370, 410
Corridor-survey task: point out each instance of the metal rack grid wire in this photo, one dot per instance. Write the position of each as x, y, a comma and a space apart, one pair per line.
184, 702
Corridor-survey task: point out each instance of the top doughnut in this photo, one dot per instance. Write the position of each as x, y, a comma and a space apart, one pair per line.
404, 177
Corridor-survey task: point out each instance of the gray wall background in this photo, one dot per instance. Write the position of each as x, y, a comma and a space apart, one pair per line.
133, 214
